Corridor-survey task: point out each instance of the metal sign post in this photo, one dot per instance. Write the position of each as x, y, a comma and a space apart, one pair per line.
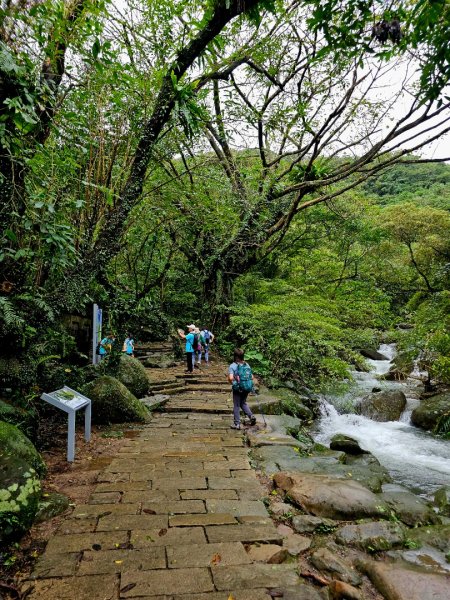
97, 316
70, 401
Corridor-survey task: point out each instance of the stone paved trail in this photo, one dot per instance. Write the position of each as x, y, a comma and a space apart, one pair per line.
170, 515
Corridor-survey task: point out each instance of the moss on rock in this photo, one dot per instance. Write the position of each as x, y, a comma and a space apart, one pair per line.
112, 402
20, 490
431, 410
14, 443
133, 375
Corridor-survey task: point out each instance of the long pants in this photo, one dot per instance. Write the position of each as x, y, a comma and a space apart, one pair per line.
240, 401
206, 352
190, 361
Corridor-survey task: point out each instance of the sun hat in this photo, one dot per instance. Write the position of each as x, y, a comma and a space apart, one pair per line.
191, 326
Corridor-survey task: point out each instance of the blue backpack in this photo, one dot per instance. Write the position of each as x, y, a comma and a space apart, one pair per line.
243, 380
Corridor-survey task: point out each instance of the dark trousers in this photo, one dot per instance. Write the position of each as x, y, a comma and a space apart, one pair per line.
189, 361
240, 402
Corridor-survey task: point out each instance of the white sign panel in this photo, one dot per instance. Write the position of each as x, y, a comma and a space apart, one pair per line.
70, 401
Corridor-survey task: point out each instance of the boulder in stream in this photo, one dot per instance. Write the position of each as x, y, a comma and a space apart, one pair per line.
383, 406
373, 354
327, 496
410, 509
431, 410
442, 500
346, 444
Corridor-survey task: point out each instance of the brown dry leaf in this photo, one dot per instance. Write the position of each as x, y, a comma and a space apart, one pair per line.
149, 511
127, 588
162, 532
216, 559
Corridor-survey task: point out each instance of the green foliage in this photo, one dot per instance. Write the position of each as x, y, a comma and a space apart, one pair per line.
430, 338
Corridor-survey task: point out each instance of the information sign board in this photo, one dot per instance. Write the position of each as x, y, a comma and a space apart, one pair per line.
70, 401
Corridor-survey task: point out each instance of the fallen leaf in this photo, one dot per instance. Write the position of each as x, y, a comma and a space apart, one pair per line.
96, 547
127, 588
118, 562
149, 511
231, 597
216, 559
162, 532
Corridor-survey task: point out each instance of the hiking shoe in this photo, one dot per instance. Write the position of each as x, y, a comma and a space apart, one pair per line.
253, 420
234, 426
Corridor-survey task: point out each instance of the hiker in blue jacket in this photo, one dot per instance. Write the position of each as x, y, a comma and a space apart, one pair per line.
189, 337
242, 381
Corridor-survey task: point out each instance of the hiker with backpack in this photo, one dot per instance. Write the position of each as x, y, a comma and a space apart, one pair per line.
242, 382
105, 346
190, 342
198, 347
207, 338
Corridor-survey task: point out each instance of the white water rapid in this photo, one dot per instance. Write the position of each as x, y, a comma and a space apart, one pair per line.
414, 458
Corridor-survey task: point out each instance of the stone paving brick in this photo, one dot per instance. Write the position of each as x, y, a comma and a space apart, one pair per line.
206, 555
180, 507
120, 486
95, 587
84, 511
105, 498
242, 533
55, 565
257, 574
115, 561
113, 477
208, 494
170, 537
151, 496
206, 473
171, 581
237, 507
201, 519
254, 594
104, 540
78, 526
235, 483
182, 483
127, 522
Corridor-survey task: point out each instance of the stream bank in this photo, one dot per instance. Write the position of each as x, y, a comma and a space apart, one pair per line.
369, 498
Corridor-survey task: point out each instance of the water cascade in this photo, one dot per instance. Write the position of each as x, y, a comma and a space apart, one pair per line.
414, 458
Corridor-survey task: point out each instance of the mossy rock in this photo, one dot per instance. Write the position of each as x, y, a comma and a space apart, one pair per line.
133, 375
20, 490
15, 443
19, 417
431, 410
112, 402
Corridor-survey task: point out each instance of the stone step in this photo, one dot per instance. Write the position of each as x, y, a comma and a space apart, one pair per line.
165, 385
153, 402
170, 391
199, 406
203, 387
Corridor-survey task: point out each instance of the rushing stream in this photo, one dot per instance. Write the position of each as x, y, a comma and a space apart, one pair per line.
414, 458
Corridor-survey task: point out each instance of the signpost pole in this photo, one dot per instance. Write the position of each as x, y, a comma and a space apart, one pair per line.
71, 437
87, 422
96, 331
